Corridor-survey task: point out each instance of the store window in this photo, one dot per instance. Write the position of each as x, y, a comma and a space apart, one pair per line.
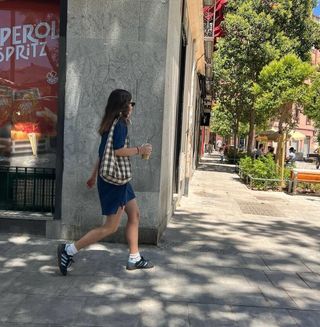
29, 64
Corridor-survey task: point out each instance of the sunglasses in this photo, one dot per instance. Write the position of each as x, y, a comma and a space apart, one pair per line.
132, 103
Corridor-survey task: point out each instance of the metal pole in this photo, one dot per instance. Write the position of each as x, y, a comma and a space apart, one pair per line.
283, 140
214, 20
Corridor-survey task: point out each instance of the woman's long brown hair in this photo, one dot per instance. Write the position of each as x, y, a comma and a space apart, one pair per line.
117, 107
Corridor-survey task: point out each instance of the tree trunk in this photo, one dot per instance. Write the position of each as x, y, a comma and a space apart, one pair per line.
234, 139
285, 115
252, 120
235, 134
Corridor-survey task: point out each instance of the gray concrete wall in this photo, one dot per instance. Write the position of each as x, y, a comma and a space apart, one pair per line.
115, 44
170, 112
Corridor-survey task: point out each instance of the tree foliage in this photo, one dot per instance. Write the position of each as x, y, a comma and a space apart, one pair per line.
257, 32
281, 84
312, 100
221, 122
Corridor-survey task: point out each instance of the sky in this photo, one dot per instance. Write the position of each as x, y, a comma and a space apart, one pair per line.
316, 10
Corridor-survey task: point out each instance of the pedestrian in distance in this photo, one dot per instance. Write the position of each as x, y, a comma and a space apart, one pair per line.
317, 151
218, 145
221, 153
291, 158
260, 152
115, 199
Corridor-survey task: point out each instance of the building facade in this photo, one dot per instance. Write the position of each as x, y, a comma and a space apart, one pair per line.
74, 53
213, 16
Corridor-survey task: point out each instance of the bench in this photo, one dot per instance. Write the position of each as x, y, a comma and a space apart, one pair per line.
302, 176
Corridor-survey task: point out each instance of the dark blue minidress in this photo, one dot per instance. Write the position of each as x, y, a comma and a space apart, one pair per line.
114, 196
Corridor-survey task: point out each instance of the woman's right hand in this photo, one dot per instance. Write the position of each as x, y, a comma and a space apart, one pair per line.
91, 182
146, 148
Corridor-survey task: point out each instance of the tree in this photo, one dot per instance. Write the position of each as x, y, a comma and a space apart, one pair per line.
282, 83
291, 18
257, 32
231, 94
221, 122
281, 88
240, 57
311, 102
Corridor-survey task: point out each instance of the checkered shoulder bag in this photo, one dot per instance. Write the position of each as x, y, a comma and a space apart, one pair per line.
113, 169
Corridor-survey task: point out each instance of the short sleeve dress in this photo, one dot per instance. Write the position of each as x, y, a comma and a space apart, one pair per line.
114, 196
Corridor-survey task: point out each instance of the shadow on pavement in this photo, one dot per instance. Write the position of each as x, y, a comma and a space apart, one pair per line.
213, 268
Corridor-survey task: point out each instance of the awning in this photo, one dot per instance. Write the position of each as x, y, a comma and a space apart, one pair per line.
269, 135
297, 136
272, 135
262, 138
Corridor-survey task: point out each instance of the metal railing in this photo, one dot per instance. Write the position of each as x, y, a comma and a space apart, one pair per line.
261, 183
27, 189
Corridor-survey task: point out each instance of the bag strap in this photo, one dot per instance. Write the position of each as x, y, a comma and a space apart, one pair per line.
108, 146
112, 129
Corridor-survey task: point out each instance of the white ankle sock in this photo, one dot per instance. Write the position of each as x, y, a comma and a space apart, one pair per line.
71, 249
134, 257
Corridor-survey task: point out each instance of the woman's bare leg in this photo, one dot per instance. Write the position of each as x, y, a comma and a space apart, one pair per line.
100, 233
132, 228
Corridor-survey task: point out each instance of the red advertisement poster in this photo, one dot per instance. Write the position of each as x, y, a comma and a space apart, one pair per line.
29, 61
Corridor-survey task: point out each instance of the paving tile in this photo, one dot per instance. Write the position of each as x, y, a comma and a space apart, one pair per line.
306, 299
41, 283
10, 324
211, 315
156, 313
96, 263
41, 309
286, 280
263, 317
124, 284
100, 311
223, 294
253, 261
276, 297
285, 264
311, 279
5, 246
91, 286
42, 247
212, 275
29, 258
7, 277
256, 277
8, 301
204, 259
306, 318
313, 266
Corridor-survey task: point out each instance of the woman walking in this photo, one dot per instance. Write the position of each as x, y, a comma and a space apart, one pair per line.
116, 196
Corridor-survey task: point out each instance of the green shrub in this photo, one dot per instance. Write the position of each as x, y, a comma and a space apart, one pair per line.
264, 168
246, 165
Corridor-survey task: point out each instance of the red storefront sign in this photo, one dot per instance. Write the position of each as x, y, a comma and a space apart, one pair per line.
29, 63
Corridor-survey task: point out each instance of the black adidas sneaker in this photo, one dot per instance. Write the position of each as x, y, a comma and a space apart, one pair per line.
141, 264
64, 259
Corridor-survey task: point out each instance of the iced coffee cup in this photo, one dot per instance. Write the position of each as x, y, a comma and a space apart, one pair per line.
145, 156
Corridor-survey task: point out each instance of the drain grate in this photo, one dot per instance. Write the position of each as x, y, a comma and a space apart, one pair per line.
259, 209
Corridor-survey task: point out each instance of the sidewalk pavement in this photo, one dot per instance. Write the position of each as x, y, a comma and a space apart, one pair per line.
230, 257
